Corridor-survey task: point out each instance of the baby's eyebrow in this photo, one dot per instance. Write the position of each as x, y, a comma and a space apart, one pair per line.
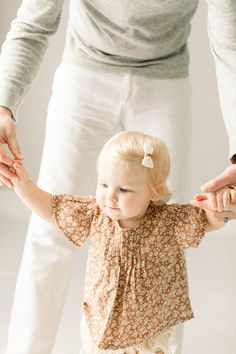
101, 179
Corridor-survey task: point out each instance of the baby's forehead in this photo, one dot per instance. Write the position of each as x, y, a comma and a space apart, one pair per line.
121, 169
116, 162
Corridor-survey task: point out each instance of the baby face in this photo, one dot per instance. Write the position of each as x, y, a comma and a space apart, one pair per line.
122, 191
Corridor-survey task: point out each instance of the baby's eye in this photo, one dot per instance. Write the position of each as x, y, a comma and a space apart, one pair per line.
104, 185
123, 190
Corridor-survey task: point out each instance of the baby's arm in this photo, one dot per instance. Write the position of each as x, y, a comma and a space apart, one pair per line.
35, 198
217, 205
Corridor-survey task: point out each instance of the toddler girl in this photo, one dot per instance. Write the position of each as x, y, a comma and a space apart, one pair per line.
136, 283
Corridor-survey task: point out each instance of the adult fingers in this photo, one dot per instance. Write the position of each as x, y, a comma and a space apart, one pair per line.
4, 158
5, 181
205, 204
222, 199
232, 208
8, 133
232, 195
200, 197
230, 214
226, 200
6, 171
214, 184
208, 200
13, 144
224, 179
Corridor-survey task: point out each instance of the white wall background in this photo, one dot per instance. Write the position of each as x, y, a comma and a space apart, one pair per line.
212, 268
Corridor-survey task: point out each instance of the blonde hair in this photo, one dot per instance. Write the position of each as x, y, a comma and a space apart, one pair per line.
129, 146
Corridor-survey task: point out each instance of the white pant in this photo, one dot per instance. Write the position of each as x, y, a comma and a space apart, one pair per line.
85, 110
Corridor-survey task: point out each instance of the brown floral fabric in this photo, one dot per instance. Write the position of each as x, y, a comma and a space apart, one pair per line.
136, 280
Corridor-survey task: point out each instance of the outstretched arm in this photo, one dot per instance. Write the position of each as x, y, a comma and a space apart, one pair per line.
35, 198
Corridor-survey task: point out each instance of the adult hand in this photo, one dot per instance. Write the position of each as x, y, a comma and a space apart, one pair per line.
228, 177
8, 137
204, 201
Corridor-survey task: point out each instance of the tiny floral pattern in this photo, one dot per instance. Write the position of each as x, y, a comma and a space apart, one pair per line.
136, 280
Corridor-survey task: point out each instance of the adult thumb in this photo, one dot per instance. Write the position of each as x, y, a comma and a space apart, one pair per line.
14, 147
218, 182
213, 184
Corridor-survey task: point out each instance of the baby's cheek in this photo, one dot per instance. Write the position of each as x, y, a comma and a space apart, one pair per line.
99, 200
132, 204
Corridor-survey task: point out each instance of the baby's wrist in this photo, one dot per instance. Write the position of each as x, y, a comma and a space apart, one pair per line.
22, 184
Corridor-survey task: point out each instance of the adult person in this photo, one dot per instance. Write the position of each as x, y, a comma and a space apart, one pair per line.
125, 66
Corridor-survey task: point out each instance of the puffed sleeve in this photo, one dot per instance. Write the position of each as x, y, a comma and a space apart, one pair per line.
74, 216
222, 35
189, 226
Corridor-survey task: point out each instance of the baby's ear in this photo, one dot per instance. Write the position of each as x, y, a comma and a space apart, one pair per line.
158, 193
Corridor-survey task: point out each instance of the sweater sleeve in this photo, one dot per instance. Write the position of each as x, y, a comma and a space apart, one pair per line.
24, 48
222, 35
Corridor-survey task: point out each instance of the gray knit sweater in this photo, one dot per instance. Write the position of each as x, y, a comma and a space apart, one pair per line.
148, 38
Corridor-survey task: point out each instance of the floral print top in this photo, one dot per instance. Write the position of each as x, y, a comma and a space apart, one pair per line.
136, 280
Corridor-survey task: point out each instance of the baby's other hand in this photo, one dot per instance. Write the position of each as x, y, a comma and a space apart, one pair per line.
21, 175
221, 203
222, 199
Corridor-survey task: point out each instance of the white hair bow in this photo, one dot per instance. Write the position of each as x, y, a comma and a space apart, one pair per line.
148, 151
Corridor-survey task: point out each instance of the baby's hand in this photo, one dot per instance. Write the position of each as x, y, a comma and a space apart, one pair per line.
222, 199
222, 202
21, 175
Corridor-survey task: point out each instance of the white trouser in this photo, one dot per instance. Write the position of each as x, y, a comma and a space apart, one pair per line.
85, 110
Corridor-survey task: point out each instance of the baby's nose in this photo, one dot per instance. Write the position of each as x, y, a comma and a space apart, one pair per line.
112, 195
